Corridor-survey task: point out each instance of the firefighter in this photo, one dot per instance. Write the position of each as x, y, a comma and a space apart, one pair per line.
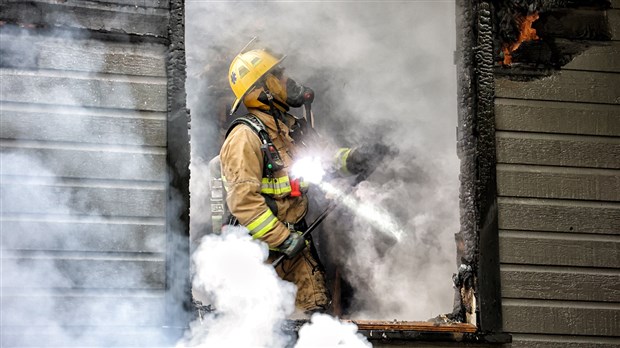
256, 171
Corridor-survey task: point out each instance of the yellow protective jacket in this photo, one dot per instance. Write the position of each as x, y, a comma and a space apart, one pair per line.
242, 172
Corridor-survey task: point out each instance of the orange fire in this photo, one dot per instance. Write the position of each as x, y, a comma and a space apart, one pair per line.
526, 33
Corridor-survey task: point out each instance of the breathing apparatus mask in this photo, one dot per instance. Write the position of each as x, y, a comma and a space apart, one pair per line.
285, 91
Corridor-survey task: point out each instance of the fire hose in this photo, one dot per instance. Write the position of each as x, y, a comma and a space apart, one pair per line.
309, 230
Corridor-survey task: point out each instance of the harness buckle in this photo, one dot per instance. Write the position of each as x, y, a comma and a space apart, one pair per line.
290, 226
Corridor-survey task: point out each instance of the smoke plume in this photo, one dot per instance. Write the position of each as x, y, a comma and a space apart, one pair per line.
251, 302
382, 72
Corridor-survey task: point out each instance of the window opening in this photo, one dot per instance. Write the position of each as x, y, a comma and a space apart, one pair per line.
461, 315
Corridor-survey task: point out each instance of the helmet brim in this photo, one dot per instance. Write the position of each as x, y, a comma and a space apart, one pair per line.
238, 101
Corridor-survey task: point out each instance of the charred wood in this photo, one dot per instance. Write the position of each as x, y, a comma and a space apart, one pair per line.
574, 24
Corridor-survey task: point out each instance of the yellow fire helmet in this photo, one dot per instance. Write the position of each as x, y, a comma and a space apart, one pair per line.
246, 69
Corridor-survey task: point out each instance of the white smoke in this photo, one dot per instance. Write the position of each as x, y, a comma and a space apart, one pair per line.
251, 302
382, 71
326, 331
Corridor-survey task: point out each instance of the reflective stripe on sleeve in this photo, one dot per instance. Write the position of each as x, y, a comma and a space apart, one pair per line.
340, 160
263, 224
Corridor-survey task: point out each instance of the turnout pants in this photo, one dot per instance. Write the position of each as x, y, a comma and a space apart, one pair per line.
307, 274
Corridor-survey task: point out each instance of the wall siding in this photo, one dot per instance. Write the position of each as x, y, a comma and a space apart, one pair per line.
83, 181
558, 181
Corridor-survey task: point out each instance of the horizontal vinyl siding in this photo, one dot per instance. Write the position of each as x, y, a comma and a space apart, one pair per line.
558, 181
83, 180
562, 341
144, 18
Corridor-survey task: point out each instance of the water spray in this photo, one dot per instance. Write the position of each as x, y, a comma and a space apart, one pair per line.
311, 170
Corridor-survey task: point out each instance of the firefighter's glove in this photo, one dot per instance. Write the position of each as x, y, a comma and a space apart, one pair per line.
366, 158
292, 245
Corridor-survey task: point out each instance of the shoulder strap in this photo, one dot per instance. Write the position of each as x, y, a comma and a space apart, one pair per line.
254, 123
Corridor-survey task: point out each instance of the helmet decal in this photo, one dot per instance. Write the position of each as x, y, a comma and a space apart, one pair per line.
247, 69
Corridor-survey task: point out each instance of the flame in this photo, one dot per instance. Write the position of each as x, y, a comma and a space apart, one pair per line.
526, 33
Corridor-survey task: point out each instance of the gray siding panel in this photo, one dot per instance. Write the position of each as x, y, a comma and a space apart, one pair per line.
83, 125
561, 317
76, 310
558, 215
83, 145
86, 90
603, 56
144, 59
90, 15
140, 236
135, 3
566, 85
560, 283
89, 336
544, 248
558, 341
84, 271
558, 194
558, 182
559, 150
82, 163
43, 199
614, 21
557, 117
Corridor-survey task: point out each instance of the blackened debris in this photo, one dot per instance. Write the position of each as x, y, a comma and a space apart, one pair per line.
564, 29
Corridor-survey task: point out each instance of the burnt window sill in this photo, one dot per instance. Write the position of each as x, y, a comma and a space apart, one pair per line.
394, 332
